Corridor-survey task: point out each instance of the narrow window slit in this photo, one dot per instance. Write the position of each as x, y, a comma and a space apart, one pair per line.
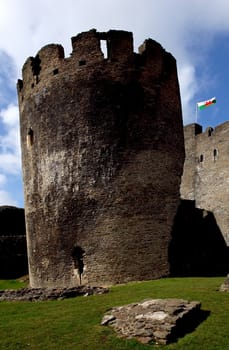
215, 154
201, 158
30, 137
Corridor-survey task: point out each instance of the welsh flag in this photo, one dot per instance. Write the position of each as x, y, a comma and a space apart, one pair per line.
204, 104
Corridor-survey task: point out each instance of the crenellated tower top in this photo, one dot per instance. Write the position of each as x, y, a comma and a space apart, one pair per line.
50, 61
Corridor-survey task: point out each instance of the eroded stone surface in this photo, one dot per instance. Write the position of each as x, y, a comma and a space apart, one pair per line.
155, 320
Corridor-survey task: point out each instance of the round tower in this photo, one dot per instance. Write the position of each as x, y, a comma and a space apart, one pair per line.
102, 154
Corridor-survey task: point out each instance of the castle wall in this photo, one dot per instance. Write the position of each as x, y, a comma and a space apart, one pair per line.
102, 153
189, 174
206, 176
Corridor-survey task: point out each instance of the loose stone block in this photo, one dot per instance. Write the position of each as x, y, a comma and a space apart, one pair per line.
158, 321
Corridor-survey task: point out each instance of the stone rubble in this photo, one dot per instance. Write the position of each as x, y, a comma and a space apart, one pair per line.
42, 294
157, 321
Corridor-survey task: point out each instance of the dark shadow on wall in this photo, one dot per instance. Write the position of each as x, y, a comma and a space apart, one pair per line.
13, 250
197, 247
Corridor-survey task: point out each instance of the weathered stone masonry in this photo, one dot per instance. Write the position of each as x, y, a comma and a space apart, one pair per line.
206, 171
102, 150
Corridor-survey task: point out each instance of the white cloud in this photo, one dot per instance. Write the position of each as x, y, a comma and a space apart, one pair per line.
10, 153
170, 21
7, 79
188, 87
2, 180
10, 158
9, 163
10, 116
6, 196
5, 199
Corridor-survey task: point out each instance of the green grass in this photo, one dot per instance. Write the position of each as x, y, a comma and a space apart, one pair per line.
74, 324
12, 284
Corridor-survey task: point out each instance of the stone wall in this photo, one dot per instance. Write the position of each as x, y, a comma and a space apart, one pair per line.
206, 171
102, 149
13, 252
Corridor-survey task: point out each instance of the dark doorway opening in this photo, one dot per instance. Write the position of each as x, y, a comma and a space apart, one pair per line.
77, 255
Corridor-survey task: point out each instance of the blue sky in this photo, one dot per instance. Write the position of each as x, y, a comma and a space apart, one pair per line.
194, 31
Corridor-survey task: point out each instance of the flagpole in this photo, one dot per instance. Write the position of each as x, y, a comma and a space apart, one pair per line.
196, 113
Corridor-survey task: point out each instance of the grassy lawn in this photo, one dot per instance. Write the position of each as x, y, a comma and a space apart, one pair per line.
74, 324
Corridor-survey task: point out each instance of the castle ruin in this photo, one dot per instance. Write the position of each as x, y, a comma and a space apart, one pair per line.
206, 172
102, 153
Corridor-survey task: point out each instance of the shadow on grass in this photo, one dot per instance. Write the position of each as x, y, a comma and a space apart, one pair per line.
188, 324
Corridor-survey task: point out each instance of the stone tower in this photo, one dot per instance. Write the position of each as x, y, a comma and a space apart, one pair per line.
206, 171
102, 152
